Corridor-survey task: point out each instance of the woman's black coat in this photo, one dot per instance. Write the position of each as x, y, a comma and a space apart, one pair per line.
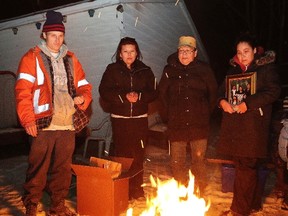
247, 135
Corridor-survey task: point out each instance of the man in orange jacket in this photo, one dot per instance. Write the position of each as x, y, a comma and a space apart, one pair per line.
50, 90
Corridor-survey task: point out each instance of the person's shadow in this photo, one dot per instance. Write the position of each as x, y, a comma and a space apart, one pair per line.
12, 176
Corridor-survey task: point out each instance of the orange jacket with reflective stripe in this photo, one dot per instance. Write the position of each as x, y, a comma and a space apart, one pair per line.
33, 89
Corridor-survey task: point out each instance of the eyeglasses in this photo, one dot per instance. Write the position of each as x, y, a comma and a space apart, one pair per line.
182, 52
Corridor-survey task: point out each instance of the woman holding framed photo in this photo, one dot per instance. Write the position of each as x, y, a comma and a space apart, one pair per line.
244, 130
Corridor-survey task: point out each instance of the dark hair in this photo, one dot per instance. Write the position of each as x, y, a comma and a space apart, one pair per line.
247, 38
126, 41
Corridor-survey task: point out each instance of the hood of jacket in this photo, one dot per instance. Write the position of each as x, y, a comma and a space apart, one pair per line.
259, 60
62, 52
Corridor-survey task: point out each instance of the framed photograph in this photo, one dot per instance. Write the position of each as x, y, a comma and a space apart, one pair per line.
240, 86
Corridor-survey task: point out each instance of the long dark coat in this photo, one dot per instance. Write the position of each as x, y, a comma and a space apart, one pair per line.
189, 94
246, 135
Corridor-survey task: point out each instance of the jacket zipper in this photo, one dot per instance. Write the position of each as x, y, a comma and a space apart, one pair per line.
131, 104
131, 85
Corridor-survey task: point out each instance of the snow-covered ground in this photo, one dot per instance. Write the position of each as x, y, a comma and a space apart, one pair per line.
12, 176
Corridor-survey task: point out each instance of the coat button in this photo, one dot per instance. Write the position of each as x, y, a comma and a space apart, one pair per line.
187, 110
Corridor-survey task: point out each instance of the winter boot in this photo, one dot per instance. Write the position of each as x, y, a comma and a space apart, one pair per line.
60, 210
284, 205
31, 209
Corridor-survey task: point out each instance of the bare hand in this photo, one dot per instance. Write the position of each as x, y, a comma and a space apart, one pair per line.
227, 107
241, 108
132, 97
31, 130
79, 100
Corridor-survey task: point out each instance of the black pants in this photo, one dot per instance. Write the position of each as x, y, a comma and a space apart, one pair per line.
129, 139
247, 188
49, 166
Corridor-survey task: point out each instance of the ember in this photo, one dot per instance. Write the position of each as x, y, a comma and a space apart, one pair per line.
174, 199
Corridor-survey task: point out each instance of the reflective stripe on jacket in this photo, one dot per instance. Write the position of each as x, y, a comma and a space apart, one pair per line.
33, 89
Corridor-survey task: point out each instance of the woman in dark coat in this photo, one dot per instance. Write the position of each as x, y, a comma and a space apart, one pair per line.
245, 127
188, 90
128, 86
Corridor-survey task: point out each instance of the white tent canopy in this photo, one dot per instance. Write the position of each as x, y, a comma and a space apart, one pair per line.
156, 25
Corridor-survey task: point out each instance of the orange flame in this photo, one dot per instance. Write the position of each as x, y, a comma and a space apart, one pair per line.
174, 199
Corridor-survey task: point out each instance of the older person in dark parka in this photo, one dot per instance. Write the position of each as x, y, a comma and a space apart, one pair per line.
188, 90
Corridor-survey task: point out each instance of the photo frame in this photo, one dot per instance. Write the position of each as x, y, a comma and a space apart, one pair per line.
240, 86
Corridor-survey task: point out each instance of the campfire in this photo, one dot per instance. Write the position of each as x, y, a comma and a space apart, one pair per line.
173, 198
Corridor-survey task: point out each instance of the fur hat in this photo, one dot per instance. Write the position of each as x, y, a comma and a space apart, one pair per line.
187, 41
54, 22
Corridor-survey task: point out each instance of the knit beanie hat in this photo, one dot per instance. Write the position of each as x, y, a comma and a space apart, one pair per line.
187, 41
54, 22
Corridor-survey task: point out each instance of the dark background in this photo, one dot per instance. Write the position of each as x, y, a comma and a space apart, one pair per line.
218, 22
